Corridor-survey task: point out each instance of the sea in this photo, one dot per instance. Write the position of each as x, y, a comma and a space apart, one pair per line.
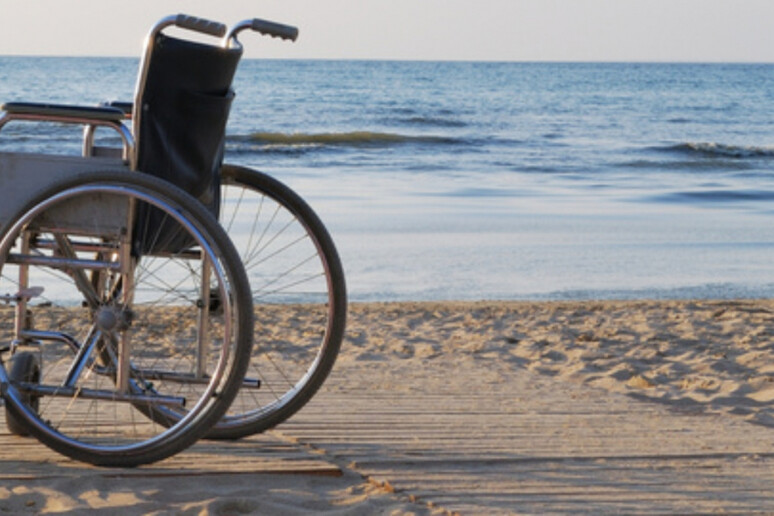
497, 181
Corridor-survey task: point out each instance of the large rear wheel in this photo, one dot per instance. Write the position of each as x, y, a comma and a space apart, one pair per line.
111, 276
299, 297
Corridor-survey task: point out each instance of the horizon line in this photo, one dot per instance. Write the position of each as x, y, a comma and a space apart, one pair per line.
420, 60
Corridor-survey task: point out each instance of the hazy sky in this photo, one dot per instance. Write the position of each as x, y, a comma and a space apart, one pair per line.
513, 30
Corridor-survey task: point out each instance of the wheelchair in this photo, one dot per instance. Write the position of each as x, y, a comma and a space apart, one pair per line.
138, 278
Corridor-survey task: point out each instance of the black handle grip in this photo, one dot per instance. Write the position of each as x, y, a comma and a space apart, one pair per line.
275, 30
200, 25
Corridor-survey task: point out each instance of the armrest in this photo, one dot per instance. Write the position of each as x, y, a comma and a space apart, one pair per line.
62, 112
126, 107
88, 116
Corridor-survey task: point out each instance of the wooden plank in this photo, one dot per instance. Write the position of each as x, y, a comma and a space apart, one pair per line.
501, 440
25, 458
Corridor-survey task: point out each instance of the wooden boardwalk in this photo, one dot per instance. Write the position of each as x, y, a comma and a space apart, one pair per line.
482, 439
26, 459
495, 440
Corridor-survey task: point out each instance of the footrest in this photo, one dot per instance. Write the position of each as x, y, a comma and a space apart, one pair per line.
24, 294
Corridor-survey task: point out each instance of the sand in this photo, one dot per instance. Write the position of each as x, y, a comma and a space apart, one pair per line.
483, 408
713, 356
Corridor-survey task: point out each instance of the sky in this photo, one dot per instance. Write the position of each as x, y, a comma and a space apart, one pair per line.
492, 30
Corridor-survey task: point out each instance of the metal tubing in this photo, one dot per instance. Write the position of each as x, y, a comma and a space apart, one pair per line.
124, 340
62, 263
88, 140
20, 322
139, 90
230, 40
89, 247
95, 394
71, 342
174, 376
97, 247
204, 314
82, 358
124, 133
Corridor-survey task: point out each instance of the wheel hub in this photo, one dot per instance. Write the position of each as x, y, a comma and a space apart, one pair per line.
113, 318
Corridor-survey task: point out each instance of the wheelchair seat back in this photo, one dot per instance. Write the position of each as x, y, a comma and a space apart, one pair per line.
180, 116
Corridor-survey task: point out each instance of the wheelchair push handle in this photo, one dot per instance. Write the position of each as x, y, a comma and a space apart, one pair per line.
275, 30
212, 28
265, 27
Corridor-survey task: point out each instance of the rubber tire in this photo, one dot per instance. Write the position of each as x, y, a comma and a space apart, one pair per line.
25, 369
267, 185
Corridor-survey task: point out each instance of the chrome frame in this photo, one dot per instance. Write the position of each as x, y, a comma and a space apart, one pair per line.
230, 40
90, 125
93, 394
139, 89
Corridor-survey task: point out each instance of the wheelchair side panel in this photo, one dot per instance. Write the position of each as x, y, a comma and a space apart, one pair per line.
23, 177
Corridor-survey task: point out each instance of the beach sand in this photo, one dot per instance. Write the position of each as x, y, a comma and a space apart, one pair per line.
715, 356
481, 408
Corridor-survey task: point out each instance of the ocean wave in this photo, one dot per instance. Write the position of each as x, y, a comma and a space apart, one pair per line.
433, 121
724, 165
711, 149
714, 196
346, 139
